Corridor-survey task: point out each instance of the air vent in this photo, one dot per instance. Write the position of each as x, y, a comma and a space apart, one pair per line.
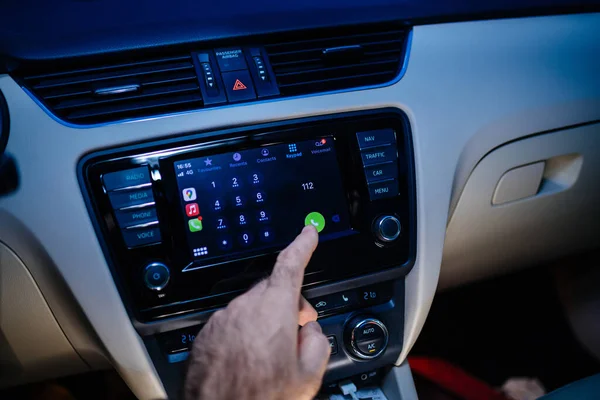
337, 59
119, 91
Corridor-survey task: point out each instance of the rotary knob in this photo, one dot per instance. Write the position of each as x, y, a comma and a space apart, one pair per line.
387, 228
156, 276
366, 337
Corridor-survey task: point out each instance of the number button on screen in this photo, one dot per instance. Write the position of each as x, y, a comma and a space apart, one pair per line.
246, 239
263, 216
259, 197
222, 223
225, 243
239, 201
256, 178
266, 235
218, 205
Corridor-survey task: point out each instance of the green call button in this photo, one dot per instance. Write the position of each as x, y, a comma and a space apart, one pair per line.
315, 219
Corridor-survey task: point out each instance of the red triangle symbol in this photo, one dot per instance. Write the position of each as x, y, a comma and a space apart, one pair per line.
238, 85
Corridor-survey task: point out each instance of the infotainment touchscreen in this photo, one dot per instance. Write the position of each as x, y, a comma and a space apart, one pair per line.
245, 201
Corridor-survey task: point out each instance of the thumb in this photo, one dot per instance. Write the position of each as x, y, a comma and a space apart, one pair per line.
313, 354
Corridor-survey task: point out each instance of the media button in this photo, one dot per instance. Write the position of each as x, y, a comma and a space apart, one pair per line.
381, 172
246, 239
383, 189
379, 155
128, 198
127, 178
375, 138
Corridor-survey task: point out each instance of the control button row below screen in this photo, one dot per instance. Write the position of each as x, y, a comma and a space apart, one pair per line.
362, 297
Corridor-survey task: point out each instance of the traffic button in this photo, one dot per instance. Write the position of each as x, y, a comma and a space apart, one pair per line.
379, 155
239, 86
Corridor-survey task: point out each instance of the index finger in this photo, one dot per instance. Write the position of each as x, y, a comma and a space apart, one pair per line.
291, 262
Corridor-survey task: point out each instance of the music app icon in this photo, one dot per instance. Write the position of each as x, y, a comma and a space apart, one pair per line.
192, 209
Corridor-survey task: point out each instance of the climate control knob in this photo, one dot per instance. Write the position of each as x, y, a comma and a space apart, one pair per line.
156, 276
387, 228
366, 337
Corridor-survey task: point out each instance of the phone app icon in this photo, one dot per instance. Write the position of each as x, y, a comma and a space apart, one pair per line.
195, 224
315, 219
192, 209
189, 194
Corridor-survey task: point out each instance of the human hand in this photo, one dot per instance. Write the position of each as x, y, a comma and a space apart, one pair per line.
253, 348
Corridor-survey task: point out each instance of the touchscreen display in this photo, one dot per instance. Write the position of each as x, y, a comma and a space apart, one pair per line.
253, 199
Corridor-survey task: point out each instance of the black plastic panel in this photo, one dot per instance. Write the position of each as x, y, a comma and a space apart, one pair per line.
207, 288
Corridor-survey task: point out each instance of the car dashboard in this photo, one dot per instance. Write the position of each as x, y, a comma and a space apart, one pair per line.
156, 174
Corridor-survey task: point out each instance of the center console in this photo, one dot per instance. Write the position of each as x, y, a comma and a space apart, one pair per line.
189, 223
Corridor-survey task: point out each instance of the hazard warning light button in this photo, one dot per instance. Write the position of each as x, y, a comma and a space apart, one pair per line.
239, 86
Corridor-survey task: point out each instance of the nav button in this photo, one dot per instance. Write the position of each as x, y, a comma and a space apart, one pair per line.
238, 85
